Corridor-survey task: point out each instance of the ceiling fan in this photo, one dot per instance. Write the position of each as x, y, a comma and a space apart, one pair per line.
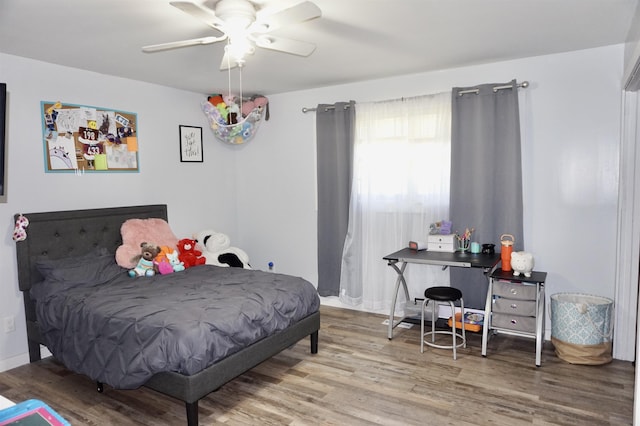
244, 27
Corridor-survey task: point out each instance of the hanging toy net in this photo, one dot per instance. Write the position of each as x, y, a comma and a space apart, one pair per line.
235, 120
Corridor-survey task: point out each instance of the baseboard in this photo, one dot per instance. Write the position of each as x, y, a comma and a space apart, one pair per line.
22, 359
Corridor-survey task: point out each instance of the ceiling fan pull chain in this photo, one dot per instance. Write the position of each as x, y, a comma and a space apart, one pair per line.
240, 76
228, 68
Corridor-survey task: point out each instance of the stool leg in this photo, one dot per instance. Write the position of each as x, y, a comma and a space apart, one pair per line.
433, 320
464, 337
453, 327
424, 305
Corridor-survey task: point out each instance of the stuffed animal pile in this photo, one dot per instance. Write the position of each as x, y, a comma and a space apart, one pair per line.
217, 250
173, 255
164, 260
167, 261
234, 120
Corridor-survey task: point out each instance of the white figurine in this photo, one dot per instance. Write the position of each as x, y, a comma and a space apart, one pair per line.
522, 263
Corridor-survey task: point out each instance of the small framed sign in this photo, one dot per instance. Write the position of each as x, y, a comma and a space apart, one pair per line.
191, 144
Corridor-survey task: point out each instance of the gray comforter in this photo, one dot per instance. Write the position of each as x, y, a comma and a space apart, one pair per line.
121, 331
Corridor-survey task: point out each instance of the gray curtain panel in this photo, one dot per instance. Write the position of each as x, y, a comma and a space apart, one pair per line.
486, 175
334, 139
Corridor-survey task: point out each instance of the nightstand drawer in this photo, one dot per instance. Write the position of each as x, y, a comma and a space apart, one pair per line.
514, 322
515, 290
504, 305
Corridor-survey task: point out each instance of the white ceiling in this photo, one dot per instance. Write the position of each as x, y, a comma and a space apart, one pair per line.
356, 39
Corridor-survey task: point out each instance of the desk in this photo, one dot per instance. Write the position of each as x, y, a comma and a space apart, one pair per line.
487, 262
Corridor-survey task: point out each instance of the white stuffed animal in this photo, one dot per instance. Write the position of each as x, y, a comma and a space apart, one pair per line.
522, 263
217, 250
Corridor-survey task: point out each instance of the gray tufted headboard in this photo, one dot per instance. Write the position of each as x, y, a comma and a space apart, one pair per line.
70, 233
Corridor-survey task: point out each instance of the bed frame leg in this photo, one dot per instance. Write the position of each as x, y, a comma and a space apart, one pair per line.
34, 351
192, 413
314, 342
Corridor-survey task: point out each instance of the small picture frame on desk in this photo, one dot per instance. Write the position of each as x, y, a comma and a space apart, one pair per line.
191, 144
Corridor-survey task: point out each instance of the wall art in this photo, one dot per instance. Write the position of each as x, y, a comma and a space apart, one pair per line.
84, 139
191, 144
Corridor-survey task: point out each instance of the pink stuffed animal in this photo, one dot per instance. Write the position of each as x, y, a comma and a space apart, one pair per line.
247, 107
163, 266
20, 230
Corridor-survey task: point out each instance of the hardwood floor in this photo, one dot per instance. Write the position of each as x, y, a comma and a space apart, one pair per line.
359, 377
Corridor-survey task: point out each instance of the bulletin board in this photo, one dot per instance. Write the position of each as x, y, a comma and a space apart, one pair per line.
84, 139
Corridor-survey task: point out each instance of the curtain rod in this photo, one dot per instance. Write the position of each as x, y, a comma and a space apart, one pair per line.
524, 85
327, 108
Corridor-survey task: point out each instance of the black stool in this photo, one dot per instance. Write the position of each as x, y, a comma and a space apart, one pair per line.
442, 295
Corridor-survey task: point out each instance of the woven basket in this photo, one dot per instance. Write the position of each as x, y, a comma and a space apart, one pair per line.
582, 327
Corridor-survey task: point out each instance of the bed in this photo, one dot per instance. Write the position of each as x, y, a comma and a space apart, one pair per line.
54, 238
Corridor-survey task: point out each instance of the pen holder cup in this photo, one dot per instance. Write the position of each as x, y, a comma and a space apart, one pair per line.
462, 244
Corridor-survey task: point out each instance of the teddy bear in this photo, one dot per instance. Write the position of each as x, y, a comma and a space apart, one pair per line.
145, 266
217, 250
188, 254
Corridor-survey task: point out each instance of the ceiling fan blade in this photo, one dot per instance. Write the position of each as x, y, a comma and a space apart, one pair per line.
301, 12
286, 45
205, 15
184, 43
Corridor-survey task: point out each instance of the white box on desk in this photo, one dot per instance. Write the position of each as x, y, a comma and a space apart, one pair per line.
444, 243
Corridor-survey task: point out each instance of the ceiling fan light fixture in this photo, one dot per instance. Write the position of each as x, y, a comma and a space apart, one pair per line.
239, 48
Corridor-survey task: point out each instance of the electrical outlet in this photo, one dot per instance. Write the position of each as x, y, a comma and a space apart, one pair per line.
9, 324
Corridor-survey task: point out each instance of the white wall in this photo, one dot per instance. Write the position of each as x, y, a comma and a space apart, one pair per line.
570, 119
263, 193
199, 195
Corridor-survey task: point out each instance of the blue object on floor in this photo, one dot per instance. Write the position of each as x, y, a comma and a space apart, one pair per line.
31, 412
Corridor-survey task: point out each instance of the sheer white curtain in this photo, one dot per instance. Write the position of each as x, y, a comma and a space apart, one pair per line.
400, 186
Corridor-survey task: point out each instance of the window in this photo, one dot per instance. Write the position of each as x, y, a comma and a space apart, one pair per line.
401, 177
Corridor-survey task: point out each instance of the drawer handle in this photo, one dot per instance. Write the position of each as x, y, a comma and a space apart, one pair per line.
514, 306
514, 291
514, 321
